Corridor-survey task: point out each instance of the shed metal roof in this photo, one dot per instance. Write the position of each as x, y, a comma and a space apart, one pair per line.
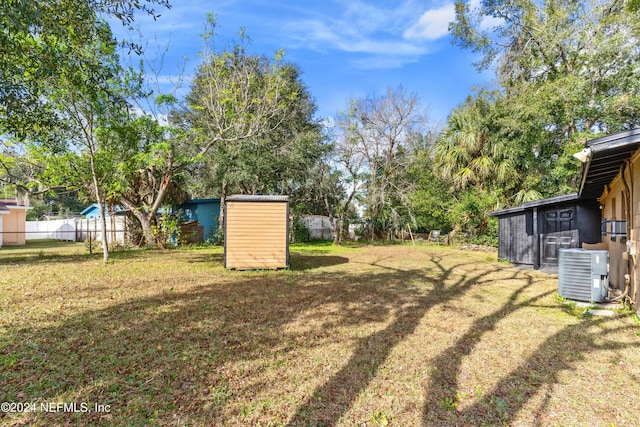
256, 198
605, 156
537, 204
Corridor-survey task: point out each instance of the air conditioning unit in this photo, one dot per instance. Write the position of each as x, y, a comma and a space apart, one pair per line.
582, 274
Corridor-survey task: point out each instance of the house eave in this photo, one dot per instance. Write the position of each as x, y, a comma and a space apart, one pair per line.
608, 154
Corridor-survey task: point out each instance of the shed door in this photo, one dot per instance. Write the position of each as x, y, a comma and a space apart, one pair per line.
559, 231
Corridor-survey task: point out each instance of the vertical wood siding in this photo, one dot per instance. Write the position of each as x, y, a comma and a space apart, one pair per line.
516, 238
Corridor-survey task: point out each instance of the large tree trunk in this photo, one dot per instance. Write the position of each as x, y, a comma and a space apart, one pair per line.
148, 219
334, 231
146, 222
340, 227
345, 209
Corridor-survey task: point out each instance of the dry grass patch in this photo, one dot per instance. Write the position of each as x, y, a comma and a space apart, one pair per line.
396, 335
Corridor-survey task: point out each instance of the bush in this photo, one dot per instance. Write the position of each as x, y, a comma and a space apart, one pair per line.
300, 231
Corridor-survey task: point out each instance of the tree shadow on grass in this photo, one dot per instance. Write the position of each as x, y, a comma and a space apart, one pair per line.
188, 354
331, 401
539, 372
515, 389
301, 262
442, 390
210, 354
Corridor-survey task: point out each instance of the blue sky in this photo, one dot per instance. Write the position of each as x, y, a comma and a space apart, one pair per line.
346, 49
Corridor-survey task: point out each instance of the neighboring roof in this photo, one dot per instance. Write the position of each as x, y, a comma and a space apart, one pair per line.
6, 204
12, 202
90, 208
604, 157
200, 201
256, 198
537, 204
94, 208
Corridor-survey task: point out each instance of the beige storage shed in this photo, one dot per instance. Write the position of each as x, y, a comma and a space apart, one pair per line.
256, 232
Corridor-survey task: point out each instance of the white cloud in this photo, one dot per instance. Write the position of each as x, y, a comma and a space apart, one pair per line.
362, 27
321, 35
488, 22
432, 25
380, 62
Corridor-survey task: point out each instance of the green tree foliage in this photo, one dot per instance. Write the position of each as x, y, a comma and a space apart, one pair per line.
380, 135
150, 174
576, 61
251, 122
89, 102
42, 41
477, 162
63, 91
566, 68
431, 201
566, 71
469, 152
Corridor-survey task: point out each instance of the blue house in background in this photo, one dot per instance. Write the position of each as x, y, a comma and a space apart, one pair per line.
206, 212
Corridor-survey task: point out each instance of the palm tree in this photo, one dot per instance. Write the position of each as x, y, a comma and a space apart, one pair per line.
468, 153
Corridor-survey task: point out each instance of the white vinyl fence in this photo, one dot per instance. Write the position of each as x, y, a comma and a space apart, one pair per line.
58, 229
78, 230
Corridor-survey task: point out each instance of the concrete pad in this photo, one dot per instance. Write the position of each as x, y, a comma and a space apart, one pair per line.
602, 305
606, 313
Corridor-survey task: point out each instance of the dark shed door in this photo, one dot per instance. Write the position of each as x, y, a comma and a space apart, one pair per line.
558, 232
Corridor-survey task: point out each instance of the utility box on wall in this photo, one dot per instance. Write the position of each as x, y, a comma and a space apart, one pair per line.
256, 232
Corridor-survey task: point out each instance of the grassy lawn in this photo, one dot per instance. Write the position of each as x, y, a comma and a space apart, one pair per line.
375, 336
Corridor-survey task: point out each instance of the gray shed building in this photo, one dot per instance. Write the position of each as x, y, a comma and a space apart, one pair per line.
532, 234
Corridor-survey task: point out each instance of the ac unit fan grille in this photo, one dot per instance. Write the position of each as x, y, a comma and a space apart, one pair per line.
575, 275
